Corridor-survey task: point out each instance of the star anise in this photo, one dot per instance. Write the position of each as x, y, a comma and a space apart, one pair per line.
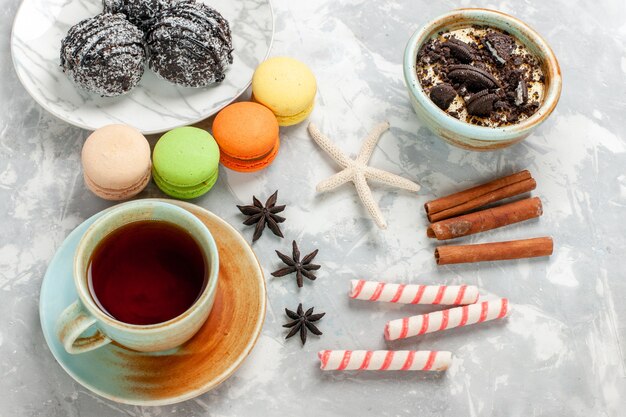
300, 267
263, 215
302, 321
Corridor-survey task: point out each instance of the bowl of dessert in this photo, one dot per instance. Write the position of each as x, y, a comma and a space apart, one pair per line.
481, 79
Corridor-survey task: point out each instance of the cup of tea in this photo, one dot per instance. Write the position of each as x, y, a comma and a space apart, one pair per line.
146, 275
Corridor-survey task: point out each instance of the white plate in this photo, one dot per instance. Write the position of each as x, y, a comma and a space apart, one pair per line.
155, 105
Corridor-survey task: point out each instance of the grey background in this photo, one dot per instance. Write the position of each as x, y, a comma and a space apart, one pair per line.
561, 353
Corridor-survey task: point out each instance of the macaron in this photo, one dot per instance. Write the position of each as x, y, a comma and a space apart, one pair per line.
116, 162
185, 162
287, 87
247, 134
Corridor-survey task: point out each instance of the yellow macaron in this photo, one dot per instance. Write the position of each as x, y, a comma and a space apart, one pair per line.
287, 87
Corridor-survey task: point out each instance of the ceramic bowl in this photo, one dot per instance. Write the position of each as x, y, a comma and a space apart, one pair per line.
463, 134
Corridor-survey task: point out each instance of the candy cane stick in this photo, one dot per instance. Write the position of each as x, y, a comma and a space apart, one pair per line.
413, 294
384, 360
447, 319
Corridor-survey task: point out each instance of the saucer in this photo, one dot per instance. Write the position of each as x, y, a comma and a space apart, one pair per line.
160, 378
154, 105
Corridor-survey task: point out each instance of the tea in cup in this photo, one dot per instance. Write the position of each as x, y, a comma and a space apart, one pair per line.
146, 274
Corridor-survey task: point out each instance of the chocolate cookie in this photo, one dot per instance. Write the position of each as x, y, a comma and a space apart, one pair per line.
521, 93
474, 78
481, 104
460, 50
190, 44
442, 95
104, 54
140, 13
500, 46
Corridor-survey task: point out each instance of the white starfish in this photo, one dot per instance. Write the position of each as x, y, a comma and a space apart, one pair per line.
357, 170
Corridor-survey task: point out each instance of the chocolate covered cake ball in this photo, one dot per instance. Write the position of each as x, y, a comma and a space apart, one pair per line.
104, 54
140, 13
190, 44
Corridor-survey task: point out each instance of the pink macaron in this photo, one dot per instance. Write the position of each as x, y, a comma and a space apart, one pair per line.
116, 162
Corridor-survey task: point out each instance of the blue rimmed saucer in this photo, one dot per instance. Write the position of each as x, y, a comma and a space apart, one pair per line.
160, 378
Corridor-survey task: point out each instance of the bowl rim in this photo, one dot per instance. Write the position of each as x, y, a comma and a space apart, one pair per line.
482, 133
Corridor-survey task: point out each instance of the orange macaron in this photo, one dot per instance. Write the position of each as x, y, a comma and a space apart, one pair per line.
247, 134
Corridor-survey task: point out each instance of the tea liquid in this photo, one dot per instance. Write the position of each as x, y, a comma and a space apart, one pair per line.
147, 272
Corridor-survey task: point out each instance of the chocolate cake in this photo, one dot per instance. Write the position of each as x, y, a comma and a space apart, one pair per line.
140, 13
104, 54
481, 76
190, 44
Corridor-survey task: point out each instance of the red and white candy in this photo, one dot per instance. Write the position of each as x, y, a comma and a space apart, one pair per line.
447, 319
384, 360
413, 294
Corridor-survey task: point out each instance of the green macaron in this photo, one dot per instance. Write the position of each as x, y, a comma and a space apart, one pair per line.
185, 162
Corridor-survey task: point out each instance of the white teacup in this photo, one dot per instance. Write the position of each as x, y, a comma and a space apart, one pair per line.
85, 312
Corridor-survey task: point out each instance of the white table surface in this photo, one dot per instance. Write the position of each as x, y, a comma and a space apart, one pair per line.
561, 353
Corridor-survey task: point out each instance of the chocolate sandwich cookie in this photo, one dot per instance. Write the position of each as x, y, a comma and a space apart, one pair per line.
500, 46
481, 104
474, 78
442, 95
460, 50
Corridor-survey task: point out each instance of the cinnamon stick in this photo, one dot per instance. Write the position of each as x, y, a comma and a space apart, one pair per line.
497, 251
464, 201
496, 195
488, 219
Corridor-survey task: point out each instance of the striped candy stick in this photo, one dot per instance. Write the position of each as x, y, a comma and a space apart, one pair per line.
413, 294
447, 319
384, 360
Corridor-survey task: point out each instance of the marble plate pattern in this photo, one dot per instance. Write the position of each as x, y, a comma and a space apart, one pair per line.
155, 105
202, 363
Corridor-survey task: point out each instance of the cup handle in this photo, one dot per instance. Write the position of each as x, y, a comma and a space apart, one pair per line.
72, 322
